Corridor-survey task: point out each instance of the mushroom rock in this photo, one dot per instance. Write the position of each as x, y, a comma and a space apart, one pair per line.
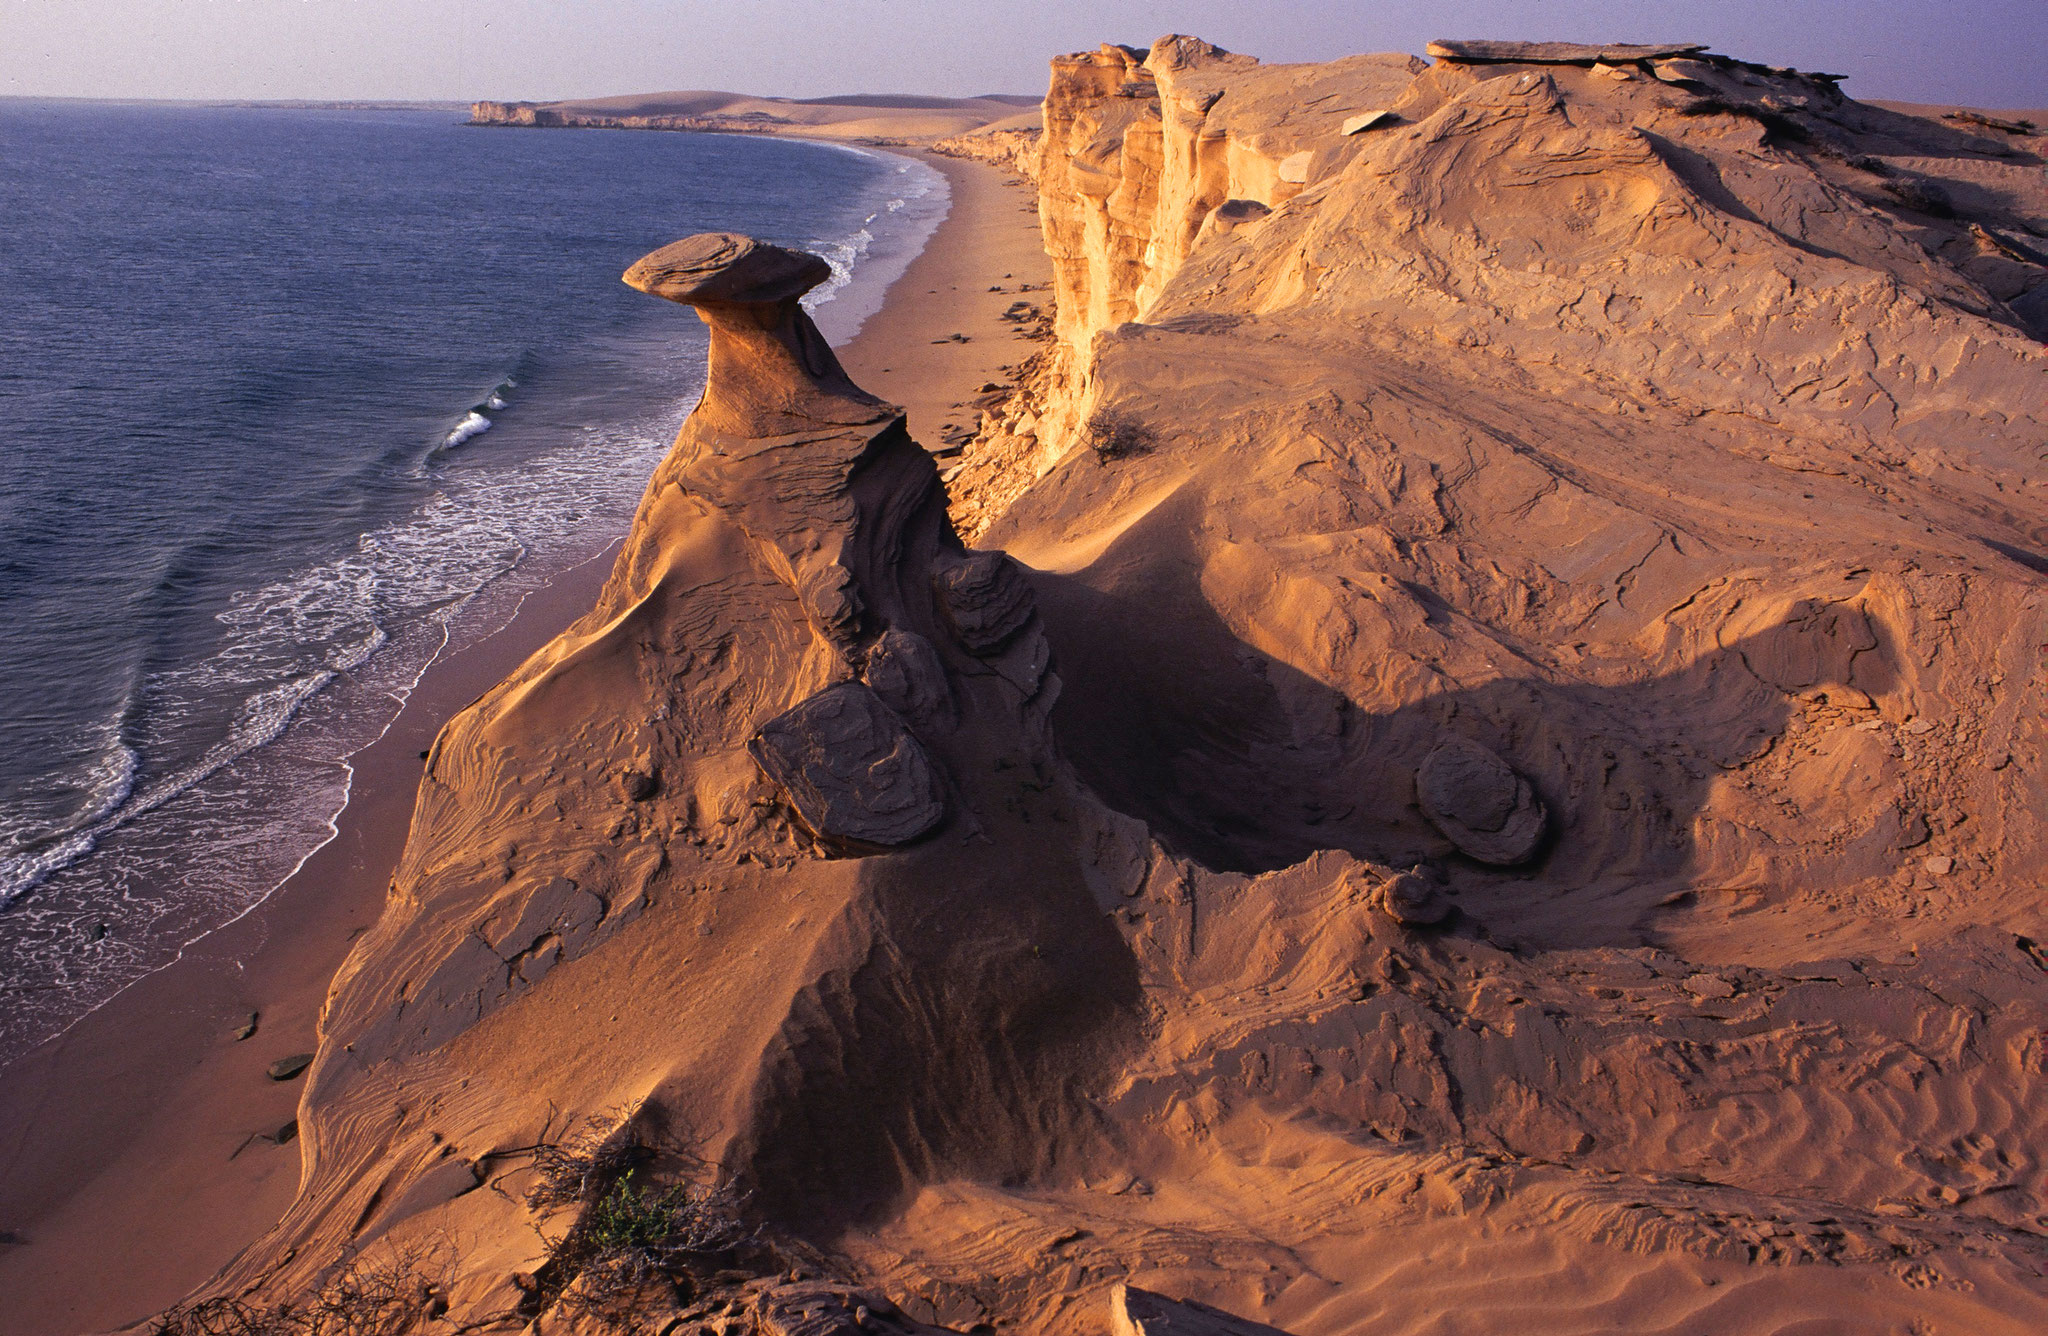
1480, 804
853, 772
792, 611
780, 430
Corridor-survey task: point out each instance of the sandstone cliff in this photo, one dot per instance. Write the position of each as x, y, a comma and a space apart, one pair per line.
1011, 143
1501, 774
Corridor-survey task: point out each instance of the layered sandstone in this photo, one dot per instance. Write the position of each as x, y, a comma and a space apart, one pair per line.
1668, 427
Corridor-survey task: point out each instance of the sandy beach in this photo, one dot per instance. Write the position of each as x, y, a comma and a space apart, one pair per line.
141, 1151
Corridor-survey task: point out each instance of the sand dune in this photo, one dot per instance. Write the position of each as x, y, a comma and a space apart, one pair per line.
1498, 785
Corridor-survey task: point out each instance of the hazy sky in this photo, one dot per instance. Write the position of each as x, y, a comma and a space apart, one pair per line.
1988, 52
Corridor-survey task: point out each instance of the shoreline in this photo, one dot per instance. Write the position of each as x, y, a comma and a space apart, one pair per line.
497, 604
133, 1144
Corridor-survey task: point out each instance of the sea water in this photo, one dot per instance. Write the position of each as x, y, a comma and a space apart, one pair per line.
291, 402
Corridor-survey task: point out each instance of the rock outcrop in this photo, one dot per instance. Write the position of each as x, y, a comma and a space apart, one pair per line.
802, 716
1558, 53
1011, 144
1136, 1312
1666, 428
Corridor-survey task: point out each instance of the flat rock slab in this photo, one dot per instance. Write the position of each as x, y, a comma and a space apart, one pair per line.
1555, 53
852, 771
284, 1069
1136, 1312
1365, 120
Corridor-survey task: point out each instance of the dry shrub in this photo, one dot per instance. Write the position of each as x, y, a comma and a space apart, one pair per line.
633, 1239
396, 1295
1113, 434
579, 1169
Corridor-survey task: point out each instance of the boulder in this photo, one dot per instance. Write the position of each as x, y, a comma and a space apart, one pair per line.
1229, 216
1413, 900
853, 773
1480, 804
986, 600
904, 671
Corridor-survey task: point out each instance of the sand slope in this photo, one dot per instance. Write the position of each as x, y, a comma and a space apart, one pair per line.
1611, 490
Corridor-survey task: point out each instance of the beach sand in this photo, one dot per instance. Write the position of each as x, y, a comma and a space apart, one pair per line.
138, 1151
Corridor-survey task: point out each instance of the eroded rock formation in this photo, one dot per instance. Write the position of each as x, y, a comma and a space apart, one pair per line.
801, 716
1668, 427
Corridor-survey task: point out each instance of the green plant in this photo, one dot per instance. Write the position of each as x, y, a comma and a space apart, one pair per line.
631, 1237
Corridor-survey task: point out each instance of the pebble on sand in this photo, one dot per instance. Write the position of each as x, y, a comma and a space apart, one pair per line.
284, 1069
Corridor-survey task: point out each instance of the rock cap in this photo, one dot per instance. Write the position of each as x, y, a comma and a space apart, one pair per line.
1556, 53
726, 267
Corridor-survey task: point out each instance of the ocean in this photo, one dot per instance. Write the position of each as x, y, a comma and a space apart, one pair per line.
291, 403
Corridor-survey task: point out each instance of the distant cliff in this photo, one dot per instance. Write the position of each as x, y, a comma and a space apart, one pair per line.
896, 117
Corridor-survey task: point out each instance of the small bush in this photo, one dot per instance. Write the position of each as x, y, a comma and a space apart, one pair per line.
626, 1237
394, 1296
1112, 435
1922, 196
631, 1238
